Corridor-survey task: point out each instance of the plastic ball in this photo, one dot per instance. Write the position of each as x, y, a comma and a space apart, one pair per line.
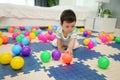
50, 27
45, 56
16, 49
86, 41
7, 27
17, 62
50, 31
19, 43
52, 37
111, 37
0, 33
66, 58
1, 41
76, 29
14, 35
54, 28
90, 44
5, 39
44, 38
104, 39
28, 28
25, 41
103, 62
89, 32
117, 39
26, 51
26, 33
82, 29
40, 36
85, 33
56, 54
5, 58
11, 30
18, 38
39, 31
16, 30
36, 33
32, 35
22, 28
47, 35
95, 42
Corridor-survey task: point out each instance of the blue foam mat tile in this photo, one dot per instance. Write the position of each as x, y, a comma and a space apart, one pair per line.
11, 41
76, 71
116, 57
84, 53
30, 64
114, 45
40, 46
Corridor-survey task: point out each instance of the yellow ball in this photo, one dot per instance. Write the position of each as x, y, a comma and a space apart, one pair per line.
32, 35
50, 28
82, 29
0, 33
1, 41
86, 41
17, 62
111, 37
5, 58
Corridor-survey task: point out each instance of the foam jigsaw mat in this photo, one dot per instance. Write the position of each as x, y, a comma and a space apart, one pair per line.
84, 65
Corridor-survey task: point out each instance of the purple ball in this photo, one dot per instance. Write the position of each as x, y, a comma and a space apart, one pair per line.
85, 33
56, 54
50, 32
22, 28
26, 51
19, 43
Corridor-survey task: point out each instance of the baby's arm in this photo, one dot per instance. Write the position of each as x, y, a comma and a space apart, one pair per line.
71, 45
59, 45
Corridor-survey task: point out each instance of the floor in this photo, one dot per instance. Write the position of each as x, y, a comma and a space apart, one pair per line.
84, 65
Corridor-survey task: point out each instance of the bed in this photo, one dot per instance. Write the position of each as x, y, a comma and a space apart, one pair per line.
17, 15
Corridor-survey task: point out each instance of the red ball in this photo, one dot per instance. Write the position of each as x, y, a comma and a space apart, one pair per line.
66, 58
5, 39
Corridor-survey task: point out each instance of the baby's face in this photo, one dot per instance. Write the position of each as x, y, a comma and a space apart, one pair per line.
68, 27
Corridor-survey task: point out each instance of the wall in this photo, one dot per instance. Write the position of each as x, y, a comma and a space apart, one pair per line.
114, 6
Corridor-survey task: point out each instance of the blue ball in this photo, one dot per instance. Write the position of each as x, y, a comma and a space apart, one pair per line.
16, 49
25, 41
39, 31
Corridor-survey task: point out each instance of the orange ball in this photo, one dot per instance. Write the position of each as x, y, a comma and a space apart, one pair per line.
66, 58
11, 30
5, 39
89, 32
47, 35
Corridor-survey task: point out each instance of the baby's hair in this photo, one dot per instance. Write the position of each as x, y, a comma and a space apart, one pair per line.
67, 15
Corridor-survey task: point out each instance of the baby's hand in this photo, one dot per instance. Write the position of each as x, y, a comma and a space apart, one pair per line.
69, 51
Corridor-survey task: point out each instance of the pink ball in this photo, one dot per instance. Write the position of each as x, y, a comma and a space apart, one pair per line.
44, 38
40, 36
14, 35
104, 39
52, 37
90, 44
26, 33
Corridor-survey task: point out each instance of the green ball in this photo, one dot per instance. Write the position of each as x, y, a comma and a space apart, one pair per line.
22, 32
16, 30
36, 33
76, 29
103, 62
117, 39
19, 38
7, 27
45, 56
